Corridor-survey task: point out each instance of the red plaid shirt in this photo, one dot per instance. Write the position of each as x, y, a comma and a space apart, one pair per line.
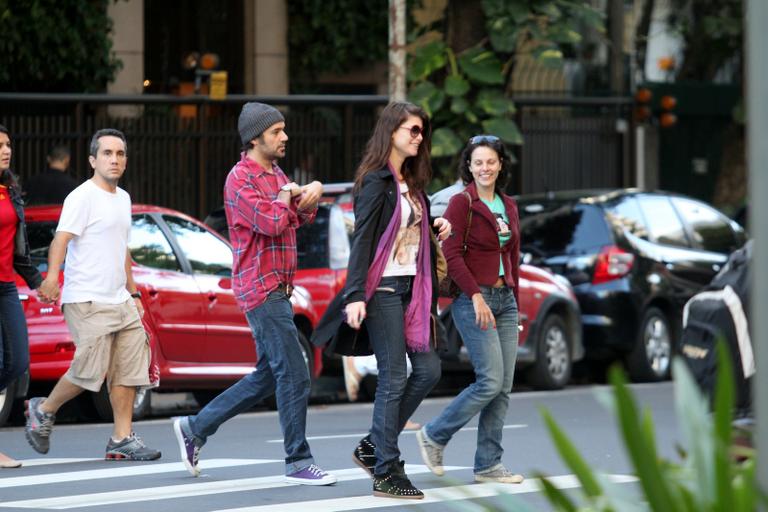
262, 231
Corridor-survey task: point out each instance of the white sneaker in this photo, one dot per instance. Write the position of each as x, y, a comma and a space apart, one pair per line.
499, 475
430, 453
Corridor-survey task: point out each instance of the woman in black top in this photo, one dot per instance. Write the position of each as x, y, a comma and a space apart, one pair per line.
387, 304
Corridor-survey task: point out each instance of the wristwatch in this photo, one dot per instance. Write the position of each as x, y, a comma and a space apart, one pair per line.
287, 188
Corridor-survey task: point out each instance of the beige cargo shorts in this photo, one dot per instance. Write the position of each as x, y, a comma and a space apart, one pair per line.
110, 342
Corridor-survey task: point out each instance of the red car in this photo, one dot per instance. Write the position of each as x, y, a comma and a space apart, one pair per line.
550, 340
183, 270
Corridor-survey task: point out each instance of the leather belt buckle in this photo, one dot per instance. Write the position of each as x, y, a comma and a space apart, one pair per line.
286, 288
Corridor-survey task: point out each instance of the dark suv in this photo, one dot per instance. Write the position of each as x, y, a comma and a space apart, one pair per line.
634, 258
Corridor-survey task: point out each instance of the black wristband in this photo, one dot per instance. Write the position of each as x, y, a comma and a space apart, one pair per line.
136, 295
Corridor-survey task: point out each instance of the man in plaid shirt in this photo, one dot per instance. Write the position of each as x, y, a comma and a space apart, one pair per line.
263, 209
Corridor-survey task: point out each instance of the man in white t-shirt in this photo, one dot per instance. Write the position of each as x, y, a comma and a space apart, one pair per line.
100, 303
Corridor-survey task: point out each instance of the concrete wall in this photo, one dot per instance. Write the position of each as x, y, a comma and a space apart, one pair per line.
128, 44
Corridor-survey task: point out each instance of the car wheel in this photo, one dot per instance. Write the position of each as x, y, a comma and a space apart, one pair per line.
651, 358
7, 397
141, 405
309, 360
553, 365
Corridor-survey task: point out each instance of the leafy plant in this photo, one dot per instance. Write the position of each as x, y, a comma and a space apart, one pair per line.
334, 36
468, 92
713, 36
713, 475
56, 46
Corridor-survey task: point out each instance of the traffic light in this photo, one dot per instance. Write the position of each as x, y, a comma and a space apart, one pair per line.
646, 110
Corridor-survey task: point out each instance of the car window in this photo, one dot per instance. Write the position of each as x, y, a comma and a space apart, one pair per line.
710, 230
664, 226
338, 239
625, 214
567, 229
206, 253
40, 236
149, 246
312, 241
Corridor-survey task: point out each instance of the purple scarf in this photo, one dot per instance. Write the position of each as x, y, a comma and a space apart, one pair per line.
417, 314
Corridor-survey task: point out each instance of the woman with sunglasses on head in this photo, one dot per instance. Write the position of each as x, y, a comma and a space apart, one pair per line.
391, 290
486, 311
14, 257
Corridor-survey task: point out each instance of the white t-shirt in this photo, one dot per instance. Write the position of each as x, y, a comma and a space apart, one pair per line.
402, 258
95, 263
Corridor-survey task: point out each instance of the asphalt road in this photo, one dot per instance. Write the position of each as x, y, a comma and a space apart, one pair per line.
243, 463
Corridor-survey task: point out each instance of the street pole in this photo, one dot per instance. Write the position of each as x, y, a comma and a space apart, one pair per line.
756, 13
397, 50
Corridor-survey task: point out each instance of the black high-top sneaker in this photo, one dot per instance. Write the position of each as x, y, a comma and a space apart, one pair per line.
365, 455
395, 484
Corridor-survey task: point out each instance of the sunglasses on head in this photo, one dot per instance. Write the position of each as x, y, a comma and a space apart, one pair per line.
415, 130
477, 139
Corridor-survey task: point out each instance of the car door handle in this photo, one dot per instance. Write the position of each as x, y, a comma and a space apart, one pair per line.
152, 292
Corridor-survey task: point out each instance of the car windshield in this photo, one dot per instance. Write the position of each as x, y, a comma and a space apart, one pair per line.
552, 228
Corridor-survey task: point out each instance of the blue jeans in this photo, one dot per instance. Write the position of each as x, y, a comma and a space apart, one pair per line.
280, 369
14, 343
397, 395
493, 353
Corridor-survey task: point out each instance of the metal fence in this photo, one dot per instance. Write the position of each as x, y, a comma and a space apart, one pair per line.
181, 149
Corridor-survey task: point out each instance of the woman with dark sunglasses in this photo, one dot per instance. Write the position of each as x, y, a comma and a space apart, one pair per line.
390, 295
486, 311
14, 257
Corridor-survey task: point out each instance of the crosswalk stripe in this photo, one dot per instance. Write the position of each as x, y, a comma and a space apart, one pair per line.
435, 495
125, 471
405, 432
188, 490
28, 463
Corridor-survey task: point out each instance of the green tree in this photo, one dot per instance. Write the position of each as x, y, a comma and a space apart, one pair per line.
461, 67
56, 46
713, 35
334, 36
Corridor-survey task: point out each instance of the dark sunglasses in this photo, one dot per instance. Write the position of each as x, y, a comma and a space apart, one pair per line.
477, 139
415, 130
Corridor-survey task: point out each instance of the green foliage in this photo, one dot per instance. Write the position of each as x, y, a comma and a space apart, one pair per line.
334, 36
709, 477
56, 46
713, 35
468, 93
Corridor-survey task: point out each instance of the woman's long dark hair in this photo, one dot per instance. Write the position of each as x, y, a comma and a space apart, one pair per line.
7, 178
506, 163
417, 171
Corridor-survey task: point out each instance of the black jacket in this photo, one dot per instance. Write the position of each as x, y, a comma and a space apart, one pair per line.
22, 263
375, 204
49, 187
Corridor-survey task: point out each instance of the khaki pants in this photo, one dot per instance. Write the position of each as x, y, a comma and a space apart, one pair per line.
110, 343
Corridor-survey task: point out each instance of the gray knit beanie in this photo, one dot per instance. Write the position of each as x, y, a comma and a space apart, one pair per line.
255, 118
